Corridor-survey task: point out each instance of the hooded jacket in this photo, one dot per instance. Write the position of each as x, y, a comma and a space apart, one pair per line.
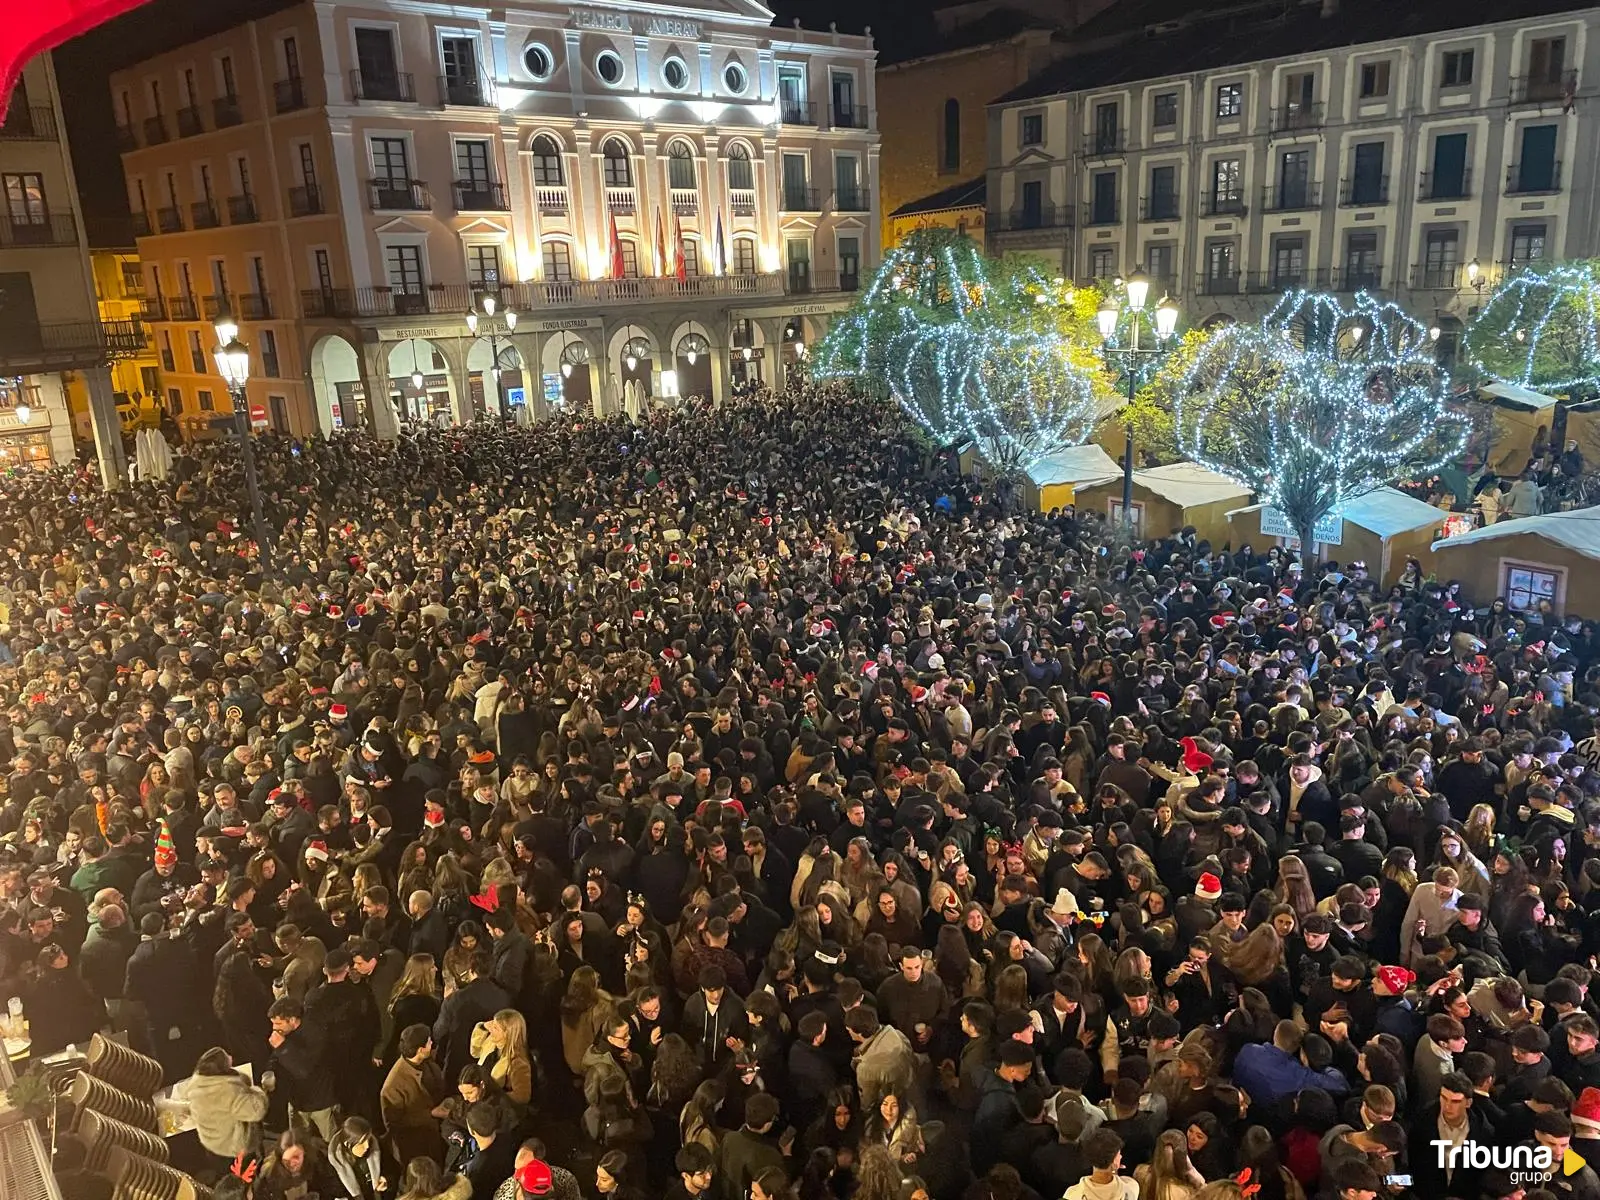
227, 1111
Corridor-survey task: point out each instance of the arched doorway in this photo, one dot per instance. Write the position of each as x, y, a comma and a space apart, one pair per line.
748, 352
336, 384
419, 382
692, 359
567, 375
631, 366
491, 383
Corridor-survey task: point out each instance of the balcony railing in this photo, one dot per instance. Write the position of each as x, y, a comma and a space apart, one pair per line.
795, 112
851, 116
1020, 220
685, 201
475, 195
203, 214
170, 219
44, 229
1528, 179
1445, 277
305, 201
1163, 206
190, 121
1105, 141
622, 201
552, 201
242, 210
1455, 186
327, 302
127, 139
1291, 197
391, 302
398, 87
28, 348
153, 308
1359, 279
468, 91
155, 130
800, 199
30, 123
140, 225
1222, 204
1286, 278
289, 94
398, 195
811, 283
1364, 191
226, 111
742, 201
1544, 88
1218, 283
253, 306
1287, 118
1101, 213
182, 308
850, 200
168, 363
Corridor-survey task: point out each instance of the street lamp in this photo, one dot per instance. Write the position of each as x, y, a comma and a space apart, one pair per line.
233, 363
493, 330
1131, 358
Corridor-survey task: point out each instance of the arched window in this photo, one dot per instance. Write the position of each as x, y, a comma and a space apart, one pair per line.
680, 166
557, 261
547, 171
740, 172
618, 170
950, 143
744, 256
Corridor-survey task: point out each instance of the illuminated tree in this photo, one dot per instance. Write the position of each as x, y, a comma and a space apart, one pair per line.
1313, 407
973, 348
1540, 329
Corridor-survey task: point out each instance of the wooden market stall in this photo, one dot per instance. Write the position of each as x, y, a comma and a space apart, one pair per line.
1517, 415
1382, 529
1552, 557
1171, 497
1052, 482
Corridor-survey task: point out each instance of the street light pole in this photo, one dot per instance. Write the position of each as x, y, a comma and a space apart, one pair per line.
233, 364
1132, 358
487, 304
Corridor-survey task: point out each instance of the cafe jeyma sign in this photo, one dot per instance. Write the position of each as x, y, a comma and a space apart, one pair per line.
39, 25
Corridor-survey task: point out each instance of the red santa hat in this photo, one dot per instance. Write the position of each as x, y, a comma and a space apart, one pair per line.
1195, 759
1101, 698
1396, 979
1208, 887
338, 711
1586, 1111
302, 609
317, 851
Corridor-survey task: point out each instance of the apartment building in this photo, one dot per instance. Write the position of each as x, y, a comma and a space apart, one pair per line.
670, 196
50, 330
136, 376
1345, 145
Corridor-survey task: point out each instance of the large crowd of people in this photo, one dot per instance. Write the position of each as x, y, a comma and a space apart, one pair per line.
742, 803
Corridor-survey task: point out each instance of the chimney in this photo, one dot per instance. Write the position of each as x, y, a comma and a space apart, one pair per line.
1330, 8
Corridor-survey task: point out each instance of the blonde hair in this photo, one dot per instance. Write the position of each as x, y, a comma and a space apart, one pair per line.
420, 978
513, 1034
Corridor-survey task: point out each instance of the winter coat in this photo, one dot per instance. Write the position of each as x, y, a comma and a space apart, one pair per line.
227, 1111
1265, 1073
885, 1063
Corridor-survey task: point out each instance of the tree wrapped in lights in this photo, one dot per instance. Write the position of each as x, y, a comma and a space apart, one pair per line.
1541, 329
1316, 405
972, 348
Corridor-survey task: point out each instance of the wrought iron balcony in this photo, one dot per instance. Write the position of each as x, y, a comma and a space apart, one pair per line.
328, 302
1544, 87
182, 308
1020, 220
851, 116
465, 90
397, 86
794, 112
1104, 142
155, 130
38, 229
1222, 204
1163, 206
253, 306
1454, 186
1530, 179
1218, 283
1436, 277
289, 94
189, 121
305, 201
242, 210
800, 199
30, 123
403, 195
29, 348
1364, 191
476, 195
1292, 118
226, 111
1292, 196
203, 214
170, 219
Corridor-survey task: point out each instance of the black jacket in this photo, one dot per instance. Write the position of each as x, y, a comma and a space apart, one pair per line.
452, 1032
303, 1072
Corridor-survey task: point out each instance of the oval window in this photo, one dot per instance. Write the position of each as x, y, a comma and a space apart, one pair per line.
608, 65
734, 78
539, 61
676, 74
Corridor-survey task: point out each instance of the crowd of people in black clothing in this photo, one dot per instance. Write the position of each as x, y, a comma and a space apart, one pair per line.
742, 803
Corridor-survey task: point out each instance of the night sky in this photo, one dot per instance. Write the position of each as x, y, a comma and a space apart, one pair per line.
84, 66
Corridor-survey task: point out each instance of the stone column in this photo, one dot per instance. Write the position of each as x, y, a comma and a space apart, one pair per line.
104, 422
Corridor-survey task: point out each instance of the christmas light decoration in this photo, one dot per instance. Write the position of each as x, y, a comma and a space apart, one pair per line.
1316, 405
972, 348
1541, 329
